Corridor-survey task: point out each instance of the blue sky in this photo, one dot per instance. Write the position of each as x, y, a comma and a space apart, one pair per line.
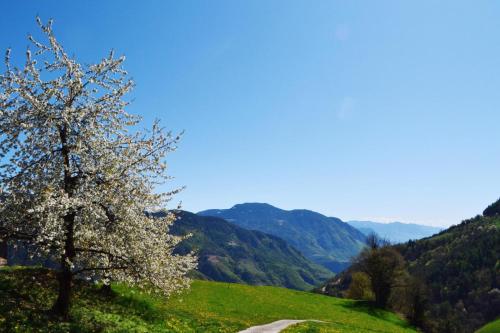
381, 110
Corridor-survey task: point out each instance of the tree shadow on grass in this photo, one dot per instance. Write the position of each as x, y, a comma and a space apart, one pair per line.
369, 308
26, 295
136, 302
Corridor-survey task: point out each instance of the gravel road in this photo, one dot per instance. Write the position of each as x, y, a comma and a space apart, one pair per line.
274, 327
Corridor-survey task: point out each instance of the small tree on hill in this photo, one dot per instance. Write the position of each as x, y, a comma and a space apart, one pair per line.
383, 265
74, 182
417, 298
360, 287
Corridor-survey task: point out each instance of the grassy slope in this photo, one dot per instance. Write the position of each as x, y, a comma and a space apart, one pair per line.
493, 327
26, 294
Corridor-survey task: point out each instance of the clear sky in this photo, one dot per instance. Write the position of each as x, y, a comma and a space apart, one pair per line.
381, 110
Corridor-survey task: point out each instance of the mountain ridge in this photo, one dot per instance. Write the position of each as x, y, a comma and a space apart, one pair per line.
327, 241
395, 232
229, 253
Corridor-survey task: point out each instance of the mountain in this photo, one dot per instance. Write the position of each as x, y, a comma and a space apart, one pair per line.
461, 267
395, 232
460, 270
233, 254
325, 240
228, 253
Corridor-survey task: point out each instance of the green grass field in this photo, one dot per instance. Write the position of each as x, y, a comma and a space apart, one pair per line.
27, 293
493, 327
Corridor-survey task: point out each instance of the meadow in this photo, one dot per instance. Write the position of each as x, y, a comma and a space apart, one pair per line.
493, 327
27, 294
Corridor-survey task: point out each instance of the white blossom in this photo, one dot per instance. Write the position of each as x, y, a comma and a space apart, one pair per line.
74, 181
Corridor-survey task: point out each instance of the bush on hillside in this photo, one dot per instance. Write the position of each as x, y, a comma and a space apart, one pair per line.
360, 287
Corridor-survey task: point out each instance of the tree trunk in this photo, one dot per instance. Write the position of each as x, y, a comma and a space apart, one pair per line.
106, 290
62, 305
3, 252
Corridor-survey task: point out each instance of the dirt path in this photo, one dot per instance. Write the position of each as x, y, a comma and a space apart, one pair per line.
274, 327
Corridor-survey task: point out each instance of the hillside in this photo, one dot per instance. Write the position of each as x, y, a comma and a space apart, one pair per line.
233, 254
461, 267
493, 327
460, 270
395, 232
229, 253
26, 294
325, 240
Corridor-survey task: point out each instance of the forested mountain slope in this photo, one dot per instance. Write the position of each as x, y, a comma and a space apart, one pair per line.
325, 240
233, 254
461, 268
457, 271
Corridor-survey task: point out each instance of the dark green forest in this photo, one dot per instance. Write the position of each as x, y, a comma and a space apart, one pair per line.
230, 253
327, 241
450, 282
461, 269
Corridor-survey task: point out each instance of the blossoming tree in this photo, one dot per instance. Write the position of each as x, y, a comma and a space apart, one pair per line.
77, 177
